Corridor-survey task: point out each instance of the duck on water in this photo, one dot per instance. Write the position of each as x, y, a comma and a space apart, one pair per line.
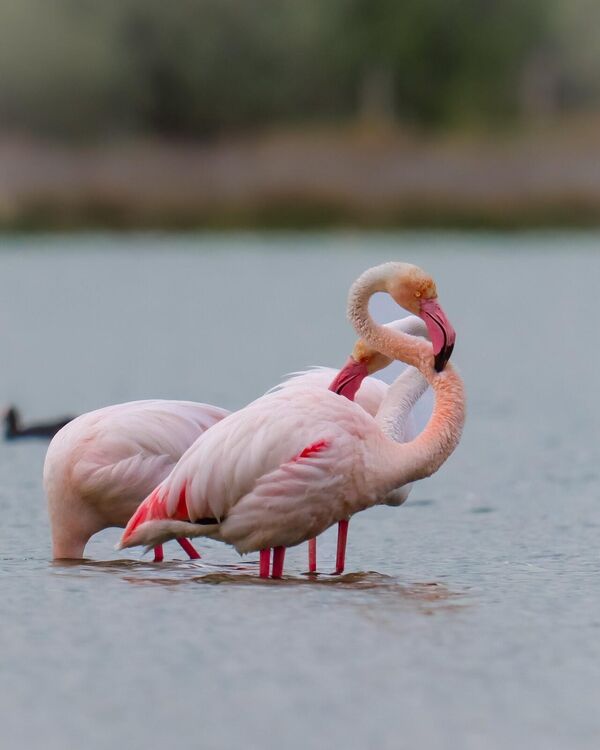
14, 429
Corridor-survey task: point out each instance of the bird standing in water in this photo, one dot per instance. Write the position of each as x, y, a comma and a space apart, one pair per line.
289, 465
101, 466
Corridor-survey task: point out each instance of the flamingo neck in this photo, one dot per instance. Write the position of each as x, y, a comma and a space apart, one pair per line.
400, 399
395, 344
423, 456
401, 463
428, 451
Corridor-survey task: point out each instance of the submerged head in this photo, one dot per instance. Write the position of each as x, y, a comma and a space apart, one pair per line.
366, 360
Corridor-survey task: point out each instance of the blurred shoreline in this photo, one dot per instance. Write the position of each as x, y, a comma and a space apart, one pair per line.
360, 177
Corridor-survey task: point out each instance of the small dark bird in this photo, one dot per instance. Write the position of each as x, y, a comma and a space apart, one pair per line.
13, 428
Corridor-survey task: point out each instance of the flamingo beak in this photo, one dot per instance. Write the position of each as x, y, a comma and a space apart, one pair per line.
440, 330
349, 378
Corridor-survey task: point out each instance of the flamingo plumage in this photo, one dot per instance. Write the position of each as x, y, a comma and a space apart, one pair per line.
353, 382
289, 465
101, 465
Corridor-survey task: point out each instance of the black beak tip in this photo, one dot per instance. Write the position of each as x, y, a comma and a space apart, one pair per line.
441, 358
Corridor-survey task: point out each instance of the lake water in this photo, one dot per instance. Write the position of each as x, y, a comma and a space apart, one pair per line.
468, 619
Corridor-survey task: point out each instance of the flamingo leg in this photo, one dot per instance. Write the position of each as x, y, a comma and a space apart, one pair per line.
189, 549
158, 553
265, 562
278, 558
340, 559
312, 555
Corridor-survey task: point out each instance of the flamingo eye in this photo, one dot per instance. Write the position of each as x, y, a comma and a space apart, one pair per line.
417, 294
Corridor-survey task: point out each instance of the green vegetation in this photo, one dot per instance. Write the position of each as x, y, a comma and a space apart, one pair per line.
297, 113
200, 68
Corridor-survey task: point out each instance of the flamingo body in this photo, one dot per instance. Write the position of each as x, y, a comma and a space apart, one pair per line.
289, 465
260, 475
274, 474
100, 466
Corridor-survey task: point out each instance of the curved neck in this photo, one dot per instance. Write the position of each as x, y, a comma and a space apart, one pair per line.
407, 462
402, 395
394, 344
421, 457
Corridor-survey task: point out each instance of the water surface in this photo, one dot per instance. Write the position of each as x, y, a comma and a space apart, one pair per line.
469, 618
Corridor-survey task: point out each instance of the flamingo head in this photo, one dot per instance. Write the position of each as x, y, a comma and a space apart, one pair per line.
415, 291
350, 377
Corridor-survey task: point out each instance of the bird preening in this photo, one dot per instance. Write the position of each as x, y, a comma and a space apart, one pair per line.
311, 453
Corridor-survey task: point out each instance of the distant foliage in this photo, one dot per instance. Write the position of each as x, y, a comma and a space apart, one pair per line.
197, 68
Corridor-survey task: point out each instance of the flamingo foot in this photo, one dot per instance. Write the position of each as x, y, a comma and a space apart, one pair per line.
158, 553
265, 562
278, 559
340, 559
189, 549
312, 555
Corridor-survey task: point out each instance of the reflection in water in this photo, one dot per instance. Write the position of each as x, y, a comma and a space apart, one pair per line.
176, 573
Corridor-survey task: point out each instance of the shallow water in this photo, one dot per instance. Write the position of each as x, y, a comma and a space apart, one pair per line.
469, 618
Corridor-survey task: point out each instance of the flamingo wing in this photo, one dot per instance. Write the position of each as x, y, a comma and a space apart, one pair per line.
296, 448
296, 501
115, 456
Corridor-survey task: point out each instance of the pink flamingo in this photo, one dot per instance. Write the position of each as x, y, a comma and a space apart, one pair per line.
284, 469
353, 382
101, 465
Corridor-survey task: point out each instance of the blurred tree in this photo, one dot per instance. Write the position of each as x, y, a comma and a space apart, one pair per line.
61, 71
227, 64
445, 61
200, 67
575, 42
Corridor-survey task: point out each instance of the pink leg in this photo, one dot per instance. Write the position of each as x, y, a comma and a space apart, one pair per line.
158, 553
312, 555
265, 562
340, 559
278, 558
188, 547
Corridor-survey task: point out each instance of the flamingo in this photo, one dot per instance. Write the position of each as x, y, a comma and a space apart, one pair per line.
284, 469
101, 465
363, 361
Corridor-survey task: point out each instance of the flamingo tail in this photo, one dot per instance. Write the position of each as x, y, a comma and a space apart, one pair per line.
151, 525
154, 532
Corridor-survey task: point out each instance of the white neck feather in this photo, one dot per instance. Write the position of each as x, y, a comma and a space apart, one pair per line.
394, 411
